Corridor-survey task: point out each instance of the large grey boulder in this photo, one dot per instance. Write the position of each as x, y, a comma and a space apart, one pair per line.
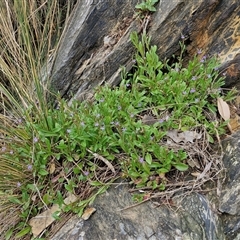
192, 219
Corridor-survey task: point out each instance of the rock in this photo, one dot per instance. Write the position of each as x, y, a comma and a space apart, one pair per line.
94, 46
210, 26
229, 200
95, 43
194, 219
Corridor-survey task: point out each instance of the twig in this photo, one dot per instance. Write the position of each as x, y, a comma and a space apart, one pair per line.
134, 205
104, 160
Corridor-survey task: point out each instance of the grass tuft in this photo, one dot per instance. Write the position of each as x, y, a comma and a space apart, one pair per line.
29, 33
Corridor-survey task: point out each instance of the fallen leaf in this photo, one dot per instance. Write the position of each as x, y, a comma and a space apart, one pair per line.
173, 134
88, 213
223, 109
190, 136
55, 179
186, 136
52, 168
34, 197
195, 174
70, 199
146, 196
44, 219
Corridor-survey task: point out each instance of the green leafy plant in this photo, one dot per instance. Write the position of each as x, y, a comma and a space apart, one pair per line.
147, 5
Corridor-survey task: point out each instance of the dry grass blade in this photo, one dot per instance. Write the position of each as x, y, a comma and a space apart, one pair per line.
97, 156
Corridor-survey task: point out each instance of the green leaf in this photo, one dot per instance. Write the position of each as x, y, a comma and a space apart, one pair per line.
23, 232
155, 165
210, 138
31, 187
46, 140
154, 185
43, 172
70, 159
101, 190
162, 187
56, 215
83, 203
152, 9
181, 166
9, 233
68, 187
133, 174
76, 170
80, 211
162, 170
95, 183
46, 198
15, 200
146, 168
148, 158
47, 133
141, 6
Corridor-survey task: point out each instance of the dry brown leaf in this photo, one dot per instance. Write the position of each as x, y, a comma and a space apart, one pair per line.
223, 109
34, 197
70, 199
43, 220
187, 136
190, 136
195, 174
55, 179
88, 213
52, 168
173, 134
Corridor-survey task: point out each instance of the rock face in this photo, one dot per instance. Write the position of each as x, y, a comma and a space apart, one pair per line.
94, 45
193, 217
193, 220
229, 200
96, 41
